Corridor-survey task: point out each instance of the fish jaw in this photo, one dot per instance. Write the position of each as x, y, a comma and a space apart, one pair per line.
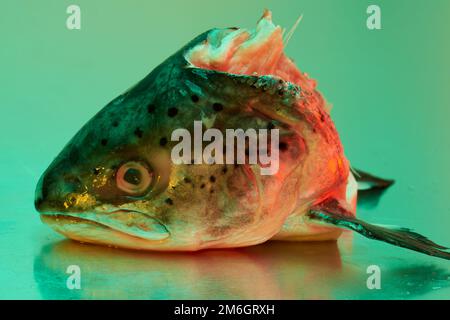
89, 231
132, 223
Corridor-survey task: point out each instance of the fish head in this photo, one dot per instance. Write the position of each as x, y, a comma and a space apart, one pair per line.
116, 182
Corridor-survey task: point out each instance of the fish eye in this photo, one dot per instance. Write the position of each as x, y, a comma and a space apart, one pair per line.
133, 178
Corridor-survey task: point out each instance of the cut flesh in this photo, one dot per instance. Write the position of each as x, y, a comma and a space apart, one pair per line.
249, 52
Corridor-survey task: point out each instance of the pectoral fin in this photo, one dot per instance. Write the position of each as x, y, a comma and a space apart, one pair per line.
367, 181
370, 188
397, 236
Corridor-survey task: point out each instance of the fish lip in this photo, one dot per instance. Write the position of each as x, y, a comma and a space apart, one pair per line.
163, 233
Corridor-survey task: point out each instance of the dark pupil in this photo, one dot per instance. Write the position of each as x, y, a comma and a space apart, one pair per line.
132, 176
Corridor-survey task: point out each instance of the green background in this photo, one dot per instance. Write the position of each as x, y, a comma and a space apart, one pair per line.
391, 104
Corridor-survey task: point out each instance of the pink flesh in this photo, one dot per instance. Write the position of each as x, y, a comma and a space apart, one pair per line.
256, 52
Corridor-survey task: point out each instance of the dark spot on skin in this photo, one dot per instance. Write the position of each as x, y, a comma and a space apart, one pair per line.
283, 146
217, 107
172, 112
115, 124
163, 141
224, 170
151, 108
202, 186
104, 142
96, 171
138, 133
169, 201
219, 231
211, 191
195, 98
212, 179
187, 180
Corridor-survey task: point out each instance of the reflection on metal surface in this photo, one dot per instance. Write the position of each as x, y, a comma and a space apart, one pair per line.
275, 270
419, 279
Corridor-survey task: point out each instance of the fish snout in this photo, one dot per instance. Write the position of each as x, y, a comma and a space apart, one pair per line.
58, 193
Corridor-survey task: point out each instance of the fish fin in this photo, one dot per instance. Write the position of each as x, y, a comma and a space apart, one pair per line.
367, 181
370, 188
401, 237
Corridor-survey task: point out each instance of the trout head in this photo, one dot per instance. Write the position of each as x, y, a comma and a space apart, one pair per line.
117, 183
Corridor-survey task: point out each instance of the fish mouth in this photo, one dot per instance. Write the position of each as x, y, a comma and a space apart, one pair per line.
255, 52
120, 227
